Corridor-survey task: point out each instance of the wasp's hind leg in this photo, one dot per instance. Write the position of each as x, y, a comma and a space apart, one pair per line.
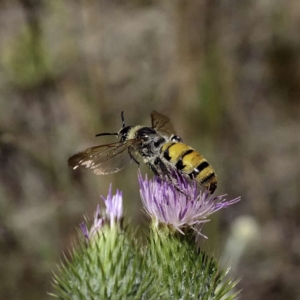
165, 173
153, 169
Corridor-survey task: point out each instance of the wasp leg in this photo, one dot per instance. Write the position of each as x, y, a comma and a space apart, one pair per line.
161, 168
153, 169
165, 174
133, 158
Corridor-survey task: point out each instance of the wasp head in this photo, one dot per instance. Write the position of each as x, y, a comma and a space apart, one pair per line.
123, 133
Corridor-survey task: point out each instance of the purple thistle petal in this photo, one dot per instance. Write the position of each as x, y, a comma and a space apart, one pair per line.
114, 206
98, 222
84, 230
183, 213
185, 205
112, 215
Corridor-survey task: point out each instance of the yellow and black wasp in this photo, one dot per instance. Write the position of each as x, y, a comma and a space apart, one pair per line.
159, 147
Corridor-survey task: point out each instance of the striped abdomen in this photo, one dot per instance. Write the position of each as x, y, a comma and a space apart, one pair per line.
190, 162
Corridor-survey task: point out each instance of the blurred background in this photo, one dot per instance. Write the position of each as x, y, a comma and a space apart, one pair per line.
227, 72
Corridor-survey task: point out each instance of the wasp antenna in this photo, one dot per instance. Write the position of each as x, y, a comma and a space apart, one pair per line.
122, 117
106, 133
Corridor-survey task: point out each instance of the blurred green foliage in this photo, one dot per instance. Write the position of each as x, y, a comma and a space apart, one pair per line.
25, 60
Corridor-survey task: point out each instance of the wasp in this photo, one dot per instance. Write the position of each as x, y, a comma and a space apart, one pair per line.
162, 150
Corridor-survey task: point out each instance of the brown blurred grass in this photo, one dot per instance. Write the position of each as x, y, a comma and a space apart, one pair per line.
226, 72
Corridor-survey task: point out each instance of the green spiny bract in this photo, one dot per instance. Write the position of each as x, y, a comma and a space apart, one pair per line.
183, 271
108, 267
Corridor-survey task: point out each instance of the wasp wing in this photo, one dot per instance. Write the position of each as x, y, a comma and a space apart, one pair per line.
161, 123
104, 159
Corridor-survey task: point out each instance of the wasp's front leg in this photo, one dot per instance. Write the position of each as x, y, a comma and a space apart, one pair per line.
133, 158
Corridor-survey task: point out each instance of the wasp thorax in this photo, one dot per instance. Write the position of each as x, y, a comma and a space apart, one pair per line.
144, 133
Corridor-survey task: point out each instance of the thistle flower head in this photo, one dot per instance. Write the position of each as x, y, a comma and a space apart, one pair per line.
111, 216
184, 205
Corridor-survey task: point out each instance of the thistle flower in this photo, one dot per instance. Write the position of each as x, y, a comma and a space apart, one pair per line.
179, 206
112, 216
113, 265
